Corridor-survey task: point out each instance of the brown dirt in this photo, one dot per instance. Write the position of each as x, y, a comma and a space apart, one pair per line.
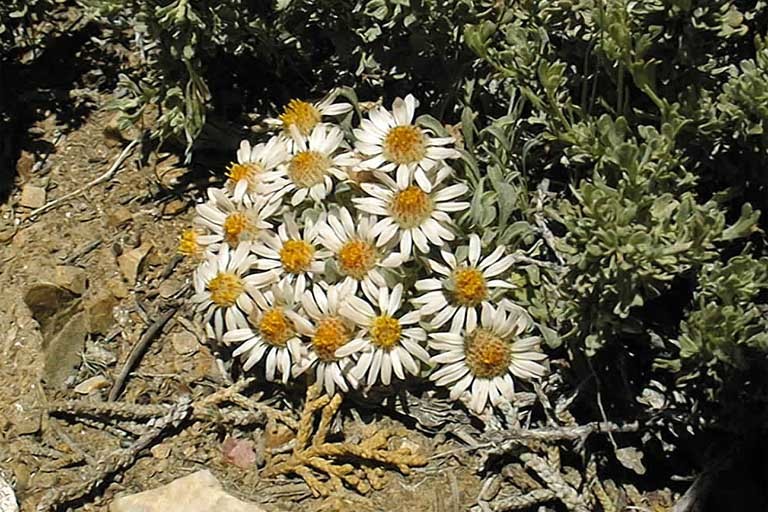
143, 204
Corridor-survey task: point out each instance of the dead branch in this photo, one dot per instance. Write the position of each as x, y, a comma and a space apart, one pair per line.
111, 172
137, 351
117, 461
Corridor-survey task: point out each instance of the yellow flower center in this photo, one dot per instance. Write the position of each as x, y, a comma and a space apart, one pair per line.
470, 288
410, 207
330, 335
235, 226
487, 355
385, 332
356, 258
304, 116
296, 256
225, 289
276, 328
405, 144
188, 245
247, 171
308, 168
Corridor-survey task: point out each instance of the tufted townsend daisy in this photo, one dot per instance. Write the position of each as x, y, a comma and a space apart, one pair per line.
357, 257
224, 291
245, 176
389, 340
314, 161
271, 335
478, 365
390, 141
411, 215
294, 252
462, 286
304, 116
234, 223
328, 331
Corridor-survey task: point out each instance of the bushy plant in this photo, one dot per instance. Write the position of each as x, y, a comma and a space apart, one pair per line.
200, 57
618, 149
640, 144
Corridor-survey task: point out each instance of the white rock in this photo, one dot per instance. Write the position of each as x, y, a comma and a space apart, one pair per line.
88, 386
198, 492
7, 497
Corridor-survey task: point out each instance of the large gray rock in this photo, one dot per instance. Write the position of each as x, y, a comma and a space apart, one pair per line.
62, 352
198, 492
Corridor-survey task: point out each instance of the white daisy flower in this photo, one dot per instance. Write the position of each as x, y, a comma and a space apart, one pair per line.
357, 257
305, 116
463, 286
294, 252
273, 336
413, 215
252, 162
484, 360
390, 141
389, 342
222, 290
314, 162
234, 223
328, 331
194, 244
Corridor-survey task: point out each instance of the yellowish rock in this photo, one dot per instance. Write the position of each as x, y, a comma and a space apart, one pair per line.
32, 196
70, 278
130, 262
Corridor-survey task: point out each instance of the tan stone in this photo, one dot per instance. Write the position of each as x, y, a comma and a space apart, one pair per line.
32, 196
174, 207
198, 492
118, 289
119, 217
99, 311
130, 262
70, 278
161, 451
184, 343
169, 287
24, 166
45, 300
62, 353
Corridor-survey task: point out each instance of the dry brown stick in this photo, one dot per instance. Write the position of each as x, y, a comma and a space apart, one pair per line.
502, 440
115, 461
81, 251
138, 350
205, 409
101, 179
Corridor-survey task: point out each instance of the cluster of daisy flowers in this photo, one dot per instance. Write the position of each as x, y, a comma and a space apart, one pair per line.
305, 253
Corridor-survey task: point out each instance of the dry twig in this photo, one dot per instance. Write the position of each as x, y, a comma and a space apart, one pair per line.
138, 350
500, 441
116, 461
111, 172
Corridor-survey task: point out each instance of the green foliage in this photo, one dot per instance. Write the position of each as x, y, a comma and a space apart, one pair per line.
18, 23
313, 45
637, 130
726, 324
